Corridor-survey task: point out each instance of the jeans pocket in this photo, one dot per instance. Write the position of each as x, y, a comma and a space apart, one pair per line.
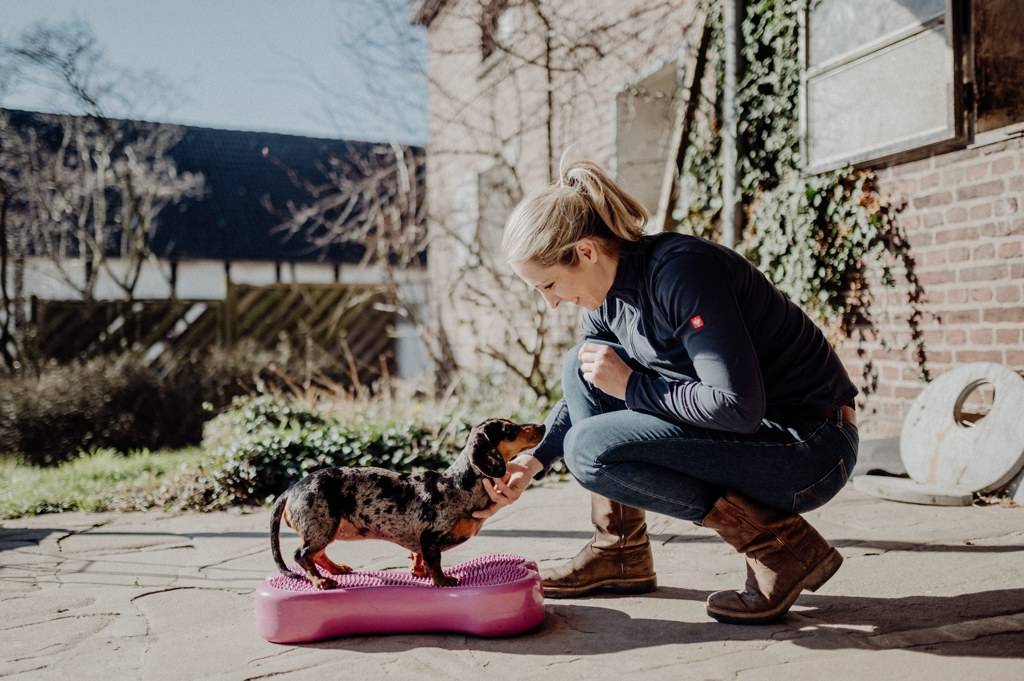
816, 494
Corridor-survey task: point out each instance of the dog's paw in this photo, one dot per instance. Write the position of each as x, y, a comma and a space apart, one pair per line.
324, 584
446, 580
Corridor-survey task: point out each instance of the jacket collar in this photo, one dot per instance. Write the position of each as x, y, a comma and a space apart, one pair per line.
628, 280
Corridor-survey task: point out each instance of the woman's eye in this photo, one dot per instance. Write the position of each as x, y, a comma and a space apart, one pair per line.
547, 287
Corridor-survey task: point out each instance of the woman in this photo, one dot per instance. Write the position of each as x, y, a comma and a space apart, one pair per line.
698, 391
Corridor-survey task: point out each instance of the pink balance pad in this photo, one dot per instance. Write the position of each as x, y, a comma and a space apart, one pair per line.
497, 595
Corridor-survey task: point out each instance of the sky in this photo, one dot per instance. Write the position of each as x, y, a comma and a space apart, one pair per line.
309, 67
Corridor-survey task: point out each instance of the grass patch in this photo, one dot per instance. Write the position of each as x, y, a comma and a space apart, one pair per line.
102, 481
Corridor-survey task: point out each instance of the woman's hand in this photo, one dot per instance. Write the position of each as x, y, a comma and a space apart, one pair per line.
508, 489
604, 369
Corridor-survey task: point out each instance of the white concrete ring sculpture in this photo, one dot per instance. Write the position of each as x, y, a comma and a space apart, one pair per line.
941, 451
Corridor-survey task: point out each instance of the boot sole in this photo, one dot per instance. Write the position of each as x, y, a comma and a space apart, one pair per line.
813, 580
616, 586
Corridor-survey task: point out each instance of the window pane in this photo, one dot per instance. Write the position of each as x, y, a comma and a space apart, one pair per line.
897, 98
837, 27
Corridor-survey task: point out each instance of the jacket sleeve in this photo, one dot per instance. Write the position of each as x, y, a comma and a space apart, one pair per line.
694, 296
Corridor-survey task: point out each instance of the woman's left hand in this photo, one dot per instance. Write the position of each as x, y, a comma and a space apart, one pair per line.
604, 369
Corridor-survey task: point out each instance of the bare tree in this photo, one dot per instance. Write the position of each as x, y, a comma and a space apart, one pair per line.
85, 191
543, 57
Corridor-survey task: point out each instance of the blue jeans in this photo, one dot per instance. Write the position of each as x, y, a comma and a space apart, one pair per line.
794, 464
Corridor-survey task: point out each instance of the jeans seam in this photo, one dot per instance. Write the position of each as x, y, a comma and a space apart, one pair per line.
840, 464
645, 492
705, 440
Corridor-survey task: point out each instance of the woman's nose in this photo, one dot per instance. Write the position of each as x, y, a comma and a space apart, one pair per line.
551, 299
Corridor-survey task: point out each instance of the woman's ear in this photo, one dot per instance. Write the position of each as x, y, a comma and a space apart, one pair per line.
484, 457
588, 250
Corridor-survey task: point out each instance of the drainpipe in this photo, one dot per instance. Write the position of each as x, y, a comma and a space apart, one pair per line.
732, 213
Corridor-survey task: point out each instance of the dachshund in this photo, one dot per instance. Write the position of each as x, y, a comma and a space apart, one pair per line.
424, 512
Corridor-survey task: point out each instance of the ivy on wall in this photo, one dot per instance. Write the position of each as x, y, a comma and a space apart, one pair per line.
819, 238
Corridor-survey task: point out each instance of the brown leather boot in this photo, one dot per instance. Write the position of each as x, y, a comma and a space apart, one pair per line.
784, 556
618, 559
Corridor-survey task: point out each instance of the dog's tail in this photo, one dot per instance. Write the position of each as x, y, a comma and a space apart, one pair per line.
275, 535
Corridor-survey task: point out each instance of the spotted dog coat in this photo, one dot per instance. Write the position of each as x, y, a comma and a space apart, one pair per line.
423, 512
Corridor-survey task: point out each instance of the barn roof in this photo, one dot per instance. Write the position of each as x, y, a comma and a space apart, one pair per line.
242, 171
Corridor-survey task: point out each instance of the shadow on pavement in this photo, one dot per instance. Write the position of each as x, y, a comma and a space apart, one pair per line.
983, 624
20, 537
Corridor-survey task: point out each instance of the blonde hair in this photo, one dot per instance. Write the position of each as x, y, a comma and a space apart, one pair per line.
583, 202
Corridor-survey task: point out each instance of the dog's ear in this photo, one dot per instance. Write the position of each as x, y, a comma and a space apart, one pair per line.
484, 456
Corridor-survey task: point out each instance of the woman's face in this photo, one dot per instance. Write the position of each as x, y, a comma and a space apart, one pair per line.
585, 284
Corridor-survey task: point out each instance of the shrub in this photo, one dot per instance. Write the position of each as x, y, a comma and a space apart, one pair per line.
117, 402
264, 444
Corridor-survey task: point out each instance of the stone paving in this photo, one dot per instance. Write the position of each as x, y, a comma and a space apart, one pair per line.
925, 593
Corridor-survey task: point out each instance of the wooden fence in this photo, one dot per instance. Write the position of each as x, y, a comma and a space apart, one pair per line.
350, 324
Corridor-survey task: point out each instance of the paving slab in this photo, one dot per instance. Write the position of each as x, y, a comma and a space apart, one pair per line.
925, 593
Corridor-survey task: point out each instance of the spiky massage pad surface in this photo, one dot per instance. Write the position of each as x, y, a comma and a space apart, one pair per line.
497, 595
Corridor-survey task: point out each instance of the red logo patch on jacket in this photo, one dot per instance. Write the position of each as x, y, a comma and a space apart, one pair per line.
697, 322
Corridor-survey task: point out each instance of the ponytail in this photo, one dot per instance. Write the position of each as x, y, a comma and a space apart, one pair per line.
584, 202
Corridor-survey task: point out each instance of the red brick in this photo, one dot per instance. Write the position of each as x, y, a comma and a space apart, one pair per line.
959, 317
932, 219
909, 222
1017, 271
983, 336
908, 392
986, 251
936, 199
884, 390
918, 239
982, 295
976, 172
1005, 206
930, 180
979, 356
910, 168
936, 357
933, 277
955, 214
1004, 336
958, 253
1015, 358
956, 295
1008, 294
1016, 183
1005, 228
956, 156
933, 258
984, 273
1010, 250
1003, 165
1004, 314
959, 234
990, 188
952, 176
982, 211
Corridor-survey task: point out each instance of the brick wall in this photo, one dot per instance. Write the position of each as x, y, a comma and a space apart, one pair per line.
965, 223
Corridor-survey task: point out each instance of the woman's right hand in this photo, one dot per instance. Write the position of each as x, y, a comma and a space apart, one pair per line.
507, 490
